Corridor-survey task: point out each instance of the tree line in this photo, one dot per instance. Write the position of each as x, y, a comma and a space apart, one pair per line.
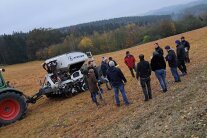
97, 37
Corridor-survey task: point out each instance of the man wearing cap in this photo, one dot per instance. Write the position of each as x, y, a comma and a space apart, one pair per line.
186, 45
171, 58
144, 73
130, 62
180, 50
117, 80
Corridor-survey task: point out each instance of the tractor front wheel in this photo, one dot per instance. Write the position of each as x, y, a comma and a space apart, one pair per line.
13, 107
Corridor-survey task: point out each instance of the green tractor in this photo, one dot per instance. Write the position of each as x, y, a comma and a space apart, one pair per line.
64, 78
13, 103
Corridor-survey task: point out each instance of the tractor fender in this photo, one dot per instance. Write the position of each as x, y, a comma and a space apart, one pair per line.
10, 89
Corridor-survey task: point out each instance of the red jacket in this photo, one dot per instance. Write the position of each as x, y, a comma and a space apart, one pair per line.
130, 61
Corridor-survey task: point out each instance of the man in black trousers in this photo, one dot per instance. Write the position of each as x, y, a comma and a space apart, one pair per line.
144, 73
186, 45
180, 50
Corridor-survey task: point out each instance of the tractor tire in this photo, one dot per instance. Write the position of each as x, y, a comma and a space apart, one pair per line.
13, 107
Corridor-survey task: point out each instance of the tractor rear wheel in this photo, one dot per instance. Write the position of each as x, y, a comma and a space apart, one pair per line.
13, 107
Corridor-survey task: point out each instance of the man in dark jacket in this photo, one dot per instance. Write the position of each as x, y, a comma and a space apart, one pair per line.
93, 86
181, 57
144, 73
129, 60
158, 65
104, 68
84, 71
186, 45
158, 49
171, 58
117, 80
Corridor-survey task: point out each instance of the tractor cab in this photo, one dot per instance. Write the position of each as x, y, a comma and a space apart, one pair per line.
2, 82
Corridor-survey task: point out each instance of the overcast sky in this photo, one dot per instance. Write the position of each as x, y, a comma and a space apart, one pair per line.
25, 15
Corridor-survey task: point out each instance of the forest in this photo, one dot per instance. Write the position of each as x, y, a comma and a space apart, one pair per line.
97, 37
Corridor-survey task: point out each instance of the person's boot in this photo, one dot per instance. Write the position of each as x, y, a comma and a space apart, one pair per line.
101, 97
165, 90
128, 103
183, 74
146, 100
117, 105
97, 104
178, 81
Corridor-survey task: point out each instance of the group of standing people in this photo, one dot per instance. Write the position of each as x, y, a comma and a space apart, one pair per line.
116, 79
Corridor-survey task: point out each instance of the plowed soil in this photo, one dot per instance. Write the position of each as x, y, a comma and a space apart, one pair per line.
181, 112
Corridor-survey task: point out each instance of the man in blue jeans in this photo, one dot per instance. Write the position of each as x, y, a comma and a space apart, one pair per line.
171, 58
117, 80
158, 65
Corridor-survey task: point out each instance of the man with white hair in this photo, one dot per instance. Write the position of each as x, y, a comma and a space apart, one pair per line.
117, 80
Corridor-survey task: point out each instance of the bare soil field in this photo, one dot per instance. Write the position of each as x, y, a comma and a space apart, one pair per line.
181, 112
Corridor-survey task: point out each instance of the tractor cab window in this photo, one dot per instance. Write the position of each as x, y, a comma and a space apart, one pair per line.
1, 81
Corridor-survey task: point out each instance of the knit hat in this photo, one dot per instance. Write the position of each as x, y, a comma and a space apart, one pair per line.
111, 64
167, 47
177, 42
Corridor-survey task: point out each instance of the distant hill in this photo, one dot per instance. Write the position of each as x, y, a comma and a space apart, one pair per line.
111, 24
196, 10
199, 5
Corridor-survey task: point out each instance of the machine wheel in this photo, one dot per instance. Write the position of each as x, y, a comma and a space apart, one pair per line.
50, 95
68, 95
13, 107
